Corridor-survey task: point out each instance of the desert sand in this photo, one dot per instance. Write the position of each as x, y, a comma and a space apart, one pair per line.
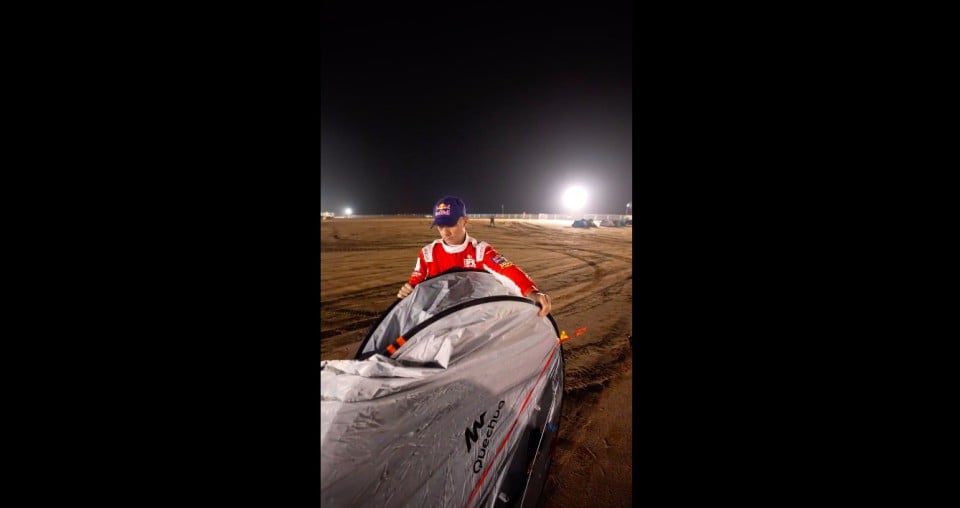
589, 275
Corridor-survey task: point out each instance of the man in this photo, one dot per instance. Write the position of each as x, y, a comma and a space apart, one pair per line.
456, 249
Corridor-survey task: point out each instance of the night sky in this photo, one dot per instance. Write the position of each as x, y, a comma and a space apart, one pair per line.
499, 105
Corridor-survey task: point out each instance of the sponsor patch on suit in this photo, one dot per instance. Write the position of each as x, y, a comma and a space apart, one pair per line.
502, 261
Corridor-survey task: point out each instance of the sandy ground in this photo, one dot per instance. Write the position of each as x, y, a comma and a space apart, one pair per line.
589, 275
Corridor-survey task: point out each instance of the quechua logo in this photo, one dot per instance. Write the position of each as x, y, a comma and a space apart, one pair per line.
473, 434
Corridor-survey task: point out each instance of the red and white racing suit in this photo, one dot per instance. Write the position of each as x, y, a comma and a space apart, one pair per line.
472, 254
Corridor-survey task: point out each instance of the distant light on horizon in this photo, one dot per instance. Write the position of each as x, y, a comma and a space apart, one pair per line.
348, 211
574, 197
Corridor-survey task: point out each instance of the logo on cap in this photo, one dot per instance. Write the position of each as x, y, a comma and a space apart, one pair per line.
447, 211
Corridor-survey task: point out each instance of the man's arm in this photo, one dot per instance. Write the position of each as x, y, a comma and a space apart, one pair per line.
543, 298
499, 264
493, 261
416, 277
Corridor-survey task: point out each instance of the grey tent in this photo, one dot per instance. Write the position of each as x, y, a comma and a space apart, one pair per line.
453, 400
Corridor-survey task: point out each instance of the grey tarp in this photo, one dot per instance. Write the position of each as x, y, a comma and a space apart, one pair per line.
437, 422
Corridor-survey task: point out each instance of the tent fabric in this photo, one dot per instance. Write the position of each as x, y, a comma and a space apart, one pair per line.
584, 223
429, 300
438, 422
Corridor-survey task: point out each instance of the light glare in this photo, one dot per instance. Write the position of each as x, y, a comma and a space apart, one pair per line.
574, 198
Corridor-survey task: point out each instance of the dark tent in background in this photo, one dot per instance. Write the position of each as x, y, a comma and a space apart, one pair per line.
453, 400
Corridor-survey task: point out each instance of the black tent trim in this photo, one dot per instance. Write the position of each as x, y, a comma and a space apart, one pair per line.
446, 312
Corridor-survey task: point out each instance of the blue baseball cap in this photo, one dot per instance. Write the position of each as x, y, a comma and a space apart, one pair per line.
448, 211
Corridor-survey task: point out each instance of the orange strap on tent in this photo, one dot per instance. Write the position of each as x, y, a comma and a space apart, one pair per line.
392, 348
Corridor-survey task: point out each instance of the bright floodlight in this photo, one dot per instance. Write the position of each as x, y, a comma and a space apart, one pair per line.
574, 198
348, 211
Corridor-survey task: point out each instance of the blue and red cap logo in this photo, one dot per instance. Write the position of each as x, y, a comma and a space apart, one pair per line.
448, 210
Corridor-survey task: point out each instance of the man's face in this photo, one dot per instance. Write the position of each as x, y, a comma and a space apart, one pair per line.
454, 235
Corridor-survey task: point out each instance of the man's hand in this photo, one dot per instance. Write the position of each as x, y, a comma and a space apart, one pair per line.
405, 290
544, 300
